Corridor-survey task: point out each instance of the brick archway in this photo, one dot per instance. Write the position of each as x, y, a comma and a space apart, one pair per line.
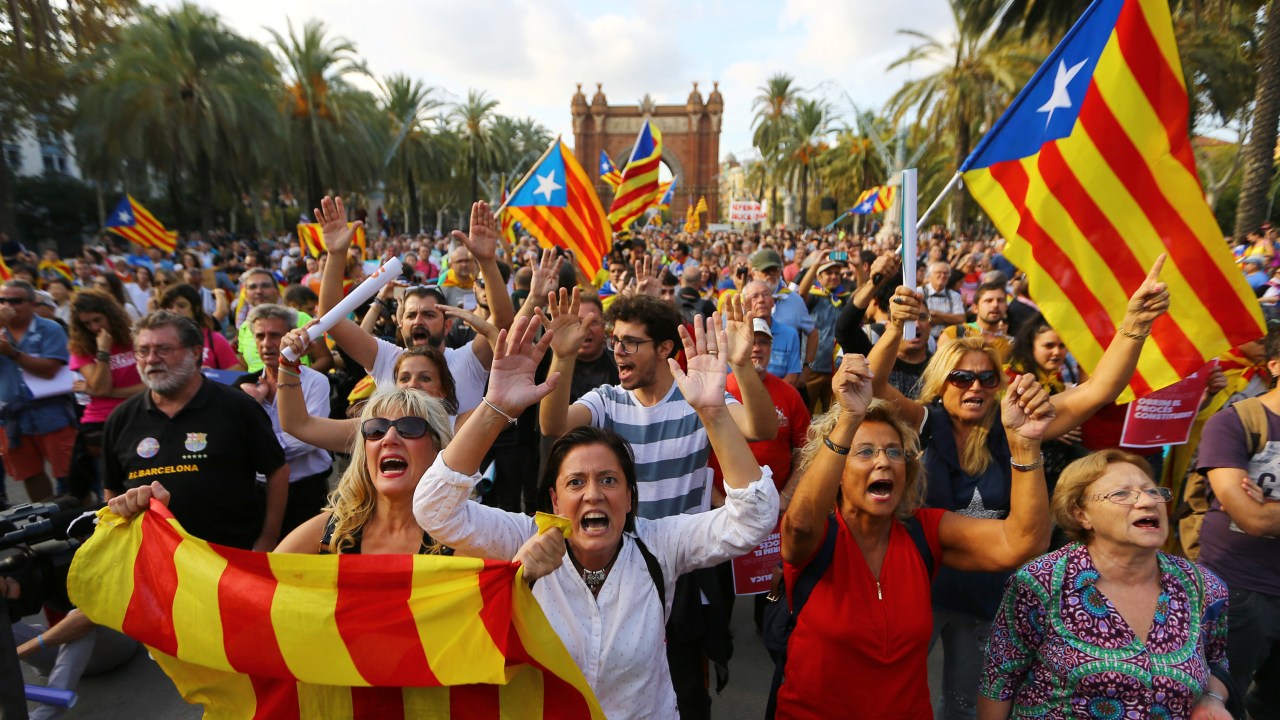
690, 137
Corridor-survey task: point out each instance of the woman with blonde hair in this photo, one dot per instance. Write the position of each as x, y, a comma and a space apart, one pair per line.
867, 567
1109, 626
969, 465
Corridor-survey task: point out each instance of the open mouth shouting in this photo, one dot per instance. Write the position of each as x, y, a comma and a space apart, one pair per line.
419, 335
880, 490
594, 522
1148, 523
393, 466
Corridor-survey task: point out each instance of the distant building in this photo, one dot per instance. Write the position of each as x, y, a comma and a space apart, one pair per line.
34, 154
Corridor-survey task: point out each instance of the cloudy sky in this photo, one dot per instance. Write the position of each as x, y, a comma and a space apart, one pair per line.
529, 54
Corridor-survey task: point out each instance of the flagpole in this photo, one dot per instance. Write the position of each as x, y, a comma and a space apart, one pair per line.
525, 179
835, 222
955, 180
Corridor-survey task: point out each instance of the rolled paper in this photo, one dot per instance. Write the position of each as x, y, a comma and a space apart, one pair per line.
358, 296
56, 697
909, 252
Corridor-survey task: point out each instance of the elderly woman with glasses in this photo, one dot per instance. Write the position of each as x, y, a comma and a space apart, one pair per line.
969, 466
1109, 626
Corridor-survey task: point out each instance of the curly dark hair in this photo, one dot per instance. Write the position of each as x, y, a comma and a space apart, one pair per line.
79, 339
1022, 356
660, 318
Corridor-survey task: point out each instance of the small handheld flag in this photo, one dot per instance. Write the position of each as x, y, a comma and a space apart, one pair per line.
132, 222
608, 171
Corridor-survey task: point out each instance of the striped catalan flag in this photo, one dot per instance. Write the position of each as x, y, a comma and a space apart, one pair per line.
668, 194
639, 187
312, 240
265, 635
134, 223
506, 223
556, 203
609, 172
866, 202
1090, 176
884, 198
5, 273
55, 268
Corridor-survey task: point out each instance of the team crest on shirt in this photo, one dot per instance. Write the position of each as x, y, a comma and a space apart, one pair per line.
196, 442
148, 447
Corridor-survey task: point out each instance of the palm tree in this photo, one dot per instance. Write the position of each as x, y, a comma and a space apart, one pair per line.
413, 153
979, 77
772, 123
854, 162
475, 118
1259, 153
184, 95
805, 142
336, 131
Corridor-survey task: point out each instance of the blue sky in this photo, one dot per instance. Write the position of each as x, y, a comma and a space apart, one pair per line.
529, 54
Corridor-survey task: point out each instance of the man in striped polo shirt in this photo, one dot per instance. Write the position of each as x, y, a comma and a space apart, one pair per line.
669, 441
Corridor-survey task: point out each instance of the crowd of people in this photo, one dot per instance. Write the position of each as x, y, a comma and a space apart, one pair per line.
939, 467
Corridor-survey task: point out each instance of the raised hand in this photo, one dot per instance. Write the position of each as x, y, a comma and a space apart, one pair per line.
138, 499
905, 305
740, 331
851, 384
703, 385
564, 323
515, 358
332, 216
104, 340
1026, 410
649, 272
545, 275
297, 340
541, 554
483, 241
1150, 301
477, 323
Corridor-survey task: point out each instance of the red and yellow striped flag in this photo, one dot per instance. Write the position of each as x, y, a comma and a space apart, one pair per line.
639, 187
265, 635
134, 223
312, 240
5, 273
557, 204
1090, 176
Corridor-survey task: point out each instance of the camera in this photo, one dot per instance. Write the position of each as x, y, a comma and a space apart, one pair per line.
36, 548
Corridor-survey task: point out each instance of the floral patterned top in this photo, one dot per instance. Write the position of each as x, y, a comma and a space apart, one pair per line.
1059, 648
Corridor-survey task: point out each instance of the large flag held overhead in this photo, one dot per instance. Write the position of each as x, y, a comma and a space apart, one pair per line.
639, 187
132, 222
312, 239
264, 635
557, 204
608, 171
1090, 176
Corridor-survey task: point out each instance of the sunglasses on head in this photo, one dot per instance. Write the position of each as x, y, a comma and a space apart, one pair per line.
964, 378
409, 427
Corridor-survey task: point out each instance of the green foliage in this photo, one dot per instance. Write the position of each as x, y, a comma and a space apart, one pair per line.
58, 208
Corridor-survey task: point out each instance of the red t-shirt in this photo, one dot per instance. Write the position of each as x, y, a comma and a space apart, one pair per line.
793, 428
859, 646
124, 373
218, 353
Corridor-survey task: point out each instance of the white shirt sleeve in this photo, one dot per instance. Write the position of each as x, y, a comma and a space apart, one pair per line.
443, 508
384, 364
469, 376
696, 541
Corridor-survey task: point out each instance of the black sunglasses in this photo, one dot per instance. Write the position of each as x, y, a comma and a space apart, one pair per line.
12, 301
410, 427
964, 378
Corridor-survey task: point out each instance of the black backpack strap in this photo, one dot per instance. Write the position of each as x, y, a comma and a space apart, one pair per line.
813, 572
655, 572
916, 531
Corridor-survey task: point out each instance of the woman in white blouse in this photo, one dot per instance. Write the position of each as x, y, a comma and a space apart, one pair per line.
607, 597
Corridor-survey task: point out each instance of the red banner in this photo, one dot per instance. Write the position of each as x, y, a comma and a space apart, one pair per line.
1165, 416
753, 572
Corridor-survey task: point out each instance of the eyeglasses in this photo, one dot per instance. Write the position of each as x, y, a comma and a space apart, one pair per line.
12, 301
629, 346
410, 427
144, 352
867, 453
1129, 496
259, 286
963, 379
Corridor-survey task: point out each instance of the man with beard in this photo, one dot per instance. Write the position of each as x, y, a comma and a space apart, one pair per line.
421, 318
309, 466
205, 442
992, 303
261, 289
671, 449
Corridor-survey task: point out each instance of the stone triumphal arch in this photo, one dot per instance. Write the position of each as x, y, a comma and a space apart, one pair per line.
690, 139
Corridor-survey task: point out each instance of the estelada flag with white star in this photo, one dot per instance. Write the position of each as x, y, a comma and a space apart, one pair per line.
639, 187
609, 172
271, 635
1090, 176
556, 203
132, 222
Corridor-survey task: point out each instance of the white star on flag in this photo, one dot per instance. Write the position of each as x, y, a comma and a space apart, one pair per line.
124, 216
1061, 99
547, 185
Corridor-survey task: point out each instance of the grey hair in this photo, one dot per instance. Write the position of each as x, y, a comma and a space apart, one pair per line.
271, 311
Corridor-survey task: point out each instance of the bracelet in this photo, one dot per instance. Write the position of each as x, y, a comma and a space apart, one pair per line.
837, 449
1133, 335
40, 641
284, 369
291, 365
288, 384
103, 356
1215, 696
1039, 463
498, 410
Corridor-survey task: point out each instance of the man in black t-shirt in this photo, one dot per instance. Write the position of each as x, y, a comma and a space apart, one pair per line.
203, 441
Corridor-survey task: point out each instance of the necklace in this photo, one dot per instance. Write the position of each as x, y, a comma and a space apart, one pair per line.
594, 578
